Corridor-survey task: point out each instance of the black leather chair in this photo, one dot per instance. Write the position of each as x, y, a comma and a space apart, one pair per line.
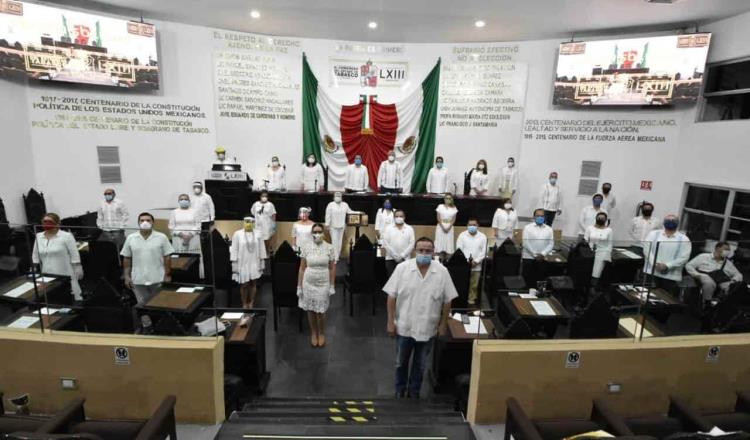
38, 424
460, 272
597, 320
506, 261
517, 329
730, 314
679, 418
104, 262
361, 276
35, 207
580, 265
284, 272
106, 310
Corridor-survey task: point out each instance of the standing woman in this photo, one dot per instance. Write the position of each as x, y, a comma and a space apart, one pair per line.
265, 219
185, 227
56, 253
446, 218
383, 218
247, 253
302, 229
312, 175
504, 222
480, 180
316, 283
599, 237
276, 176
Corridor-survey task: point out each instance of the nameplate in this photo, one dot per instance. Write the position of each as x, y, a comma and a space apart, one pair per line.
239, 176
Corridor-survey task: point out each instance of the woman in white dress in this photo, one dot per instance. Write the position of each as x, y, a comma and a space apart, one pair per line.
446, 218
265, 219
276, 176
56, 253
185, 227
312, 175
247, 253
384, 217
480, 179
504, 222
599, 237
316, 283
302, 229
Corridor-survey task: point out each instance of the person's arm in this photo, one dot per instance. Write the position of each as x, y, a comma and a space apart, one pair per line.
391, 316
126, 265
387, 245
526, 243
381, 174
72, 248
365, 179
125, 215
514, 181
692, 266
167, 268
482, 251
172, 225
211, 208
632, 230
496, 223
282, 184
682, 256
587, 235
329, 214
234, 248
378, 222
443, 325
559, 201
99, 215
550, 243
399, 176
35, 252
301, 275
410, 246
428, 185
332, 275
321, 177
294, 237
582, 220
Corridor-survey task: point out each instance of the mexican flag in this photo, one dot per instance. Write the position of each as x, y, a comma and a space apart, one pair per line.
336, 133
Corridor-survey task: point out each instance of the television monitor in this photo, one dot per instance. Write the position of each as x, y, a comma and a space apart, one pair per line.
635, 71
52, 44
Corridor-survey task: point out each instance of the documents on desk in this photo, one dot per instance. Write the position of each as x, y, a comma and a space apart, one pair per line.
210, 327
189, 289
232, 315
634, 327
628, 253
475, 325
45, 279
24, 322
20, 290
542, 308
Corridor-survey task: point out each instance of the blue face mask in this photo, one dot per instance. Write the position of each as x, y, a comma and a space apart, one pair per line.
387, 205
552, 180
358, 161
184, 203
539, 220
423, 260
670, 225
438, 165
109, 197
472, 229
597, 202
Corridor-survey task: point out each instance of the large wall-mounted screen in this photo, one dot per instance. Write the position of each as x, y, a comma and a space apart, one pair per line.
46, 43
636, 71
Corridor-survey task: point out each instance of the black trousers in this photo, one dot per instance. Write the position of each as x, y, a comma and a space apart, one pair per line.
549, 217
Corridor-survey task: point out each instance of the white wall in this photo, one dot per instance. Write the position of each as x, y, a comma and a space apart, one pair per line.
157, 167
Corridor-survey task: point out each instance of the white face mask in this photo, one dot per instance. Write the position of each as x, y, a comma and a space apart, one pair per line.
275, 163
145, 225
264, 199
480, 167
391, 158
511, 164
197, 190
337, 199
221, 156
317, 237
399, 220
508, 206
311, 160
725, 253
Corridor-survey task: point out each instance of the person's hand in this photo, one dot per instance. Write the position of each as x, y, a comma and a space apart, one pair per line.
129, 282
299, 291
391, 329
661, 267
78, 271
442, 329
332, 290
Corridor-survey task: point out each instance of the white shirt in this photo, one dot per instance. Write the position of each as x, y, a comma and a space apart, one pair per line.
474, 247
479, 181
383, 219
609, 201
264, 222
504, 222
640, 227
437, 181
204, 206
398, 242
550, 199
312, 177
419, 301
276, 179
390, 175
112, 215
508, 180
147, 254
673, 251
336, 215
600, 239
302, 234
537, 240
705, 263
184, 220
587, 218
57, 255
356, 178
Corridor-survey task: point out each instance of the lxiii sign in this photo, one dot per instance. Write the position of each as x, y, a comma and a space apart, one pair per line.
368, 73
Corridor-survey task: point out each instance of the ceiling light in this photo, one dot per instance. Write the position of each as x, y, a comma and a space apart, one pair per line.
255, 14
372, 25
479, 23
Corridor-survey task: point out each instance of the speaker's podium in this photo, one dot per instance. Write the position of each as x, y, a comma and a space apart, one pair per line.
230, 189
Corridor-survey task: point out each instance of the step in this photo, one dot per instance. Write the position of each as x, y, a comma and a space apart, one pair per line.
306, 419
415, 411
345, 432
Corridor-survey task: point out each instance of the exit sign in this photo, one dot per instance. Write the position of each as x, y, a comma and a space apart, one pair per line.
647, 185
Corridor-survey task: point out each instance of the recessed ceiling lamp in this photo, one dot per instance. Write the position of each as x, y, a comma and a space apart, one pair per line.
372, 25
255, 14
479, 23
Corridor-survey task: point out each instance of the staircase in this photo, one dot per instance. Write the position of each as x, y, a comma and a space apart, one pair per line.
345, 419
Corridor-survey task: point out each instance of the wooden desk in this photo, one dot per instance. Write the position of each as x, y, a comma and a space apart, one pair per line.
55, 292
57, 321
650, 325
179, 307
173, 301
522, 308
452, 354
657, 298
457, 331
185, 268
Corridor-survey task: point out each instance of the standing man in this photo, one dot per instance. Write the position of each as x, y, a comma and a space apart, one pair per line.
398, 241
669, 250
221, 156
712, 268
608, 201
538, 242
336, 222
551, 199
509, 180
390, 175
588, 214
112, 218
473, 244
420, 292
146, 263
437, 178
356, 176
203, 205
641, 226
